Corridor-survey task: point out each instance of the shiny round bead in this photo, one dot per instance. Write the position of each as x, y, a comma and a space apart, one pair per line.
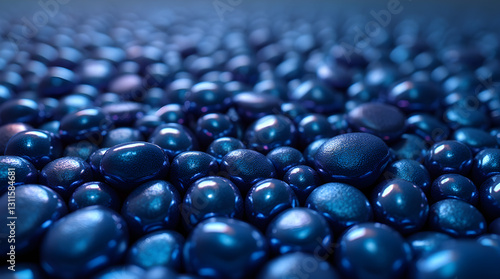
82, 149
342, 205
428, 127
214, 241
211, 196
456, 218
269, 132
284, 158
266, 199
356, 159
251, 107
412, 96
152, 206
20, 110
189, 166
148, 124
454, 186
318, 98
70, 104
475, 139
459, 116
311, 151
123, 272
206, 97
20, 169
124, 113
127, 86
381, 120
64, 174
489, 195
423, 243
40, 207
299, 230
401, 205
120, 136
410, 147
57, 82
51, 126
486, 164
37, 146
245, 167
86, 90
9, 130
409, 170
96, 72
5, 94
127, 165
448, 156
213, 126
83, 242
372, 250
303, 180
84, 125
313, 127
172, 113
220, 147
94, 193
173, 139
160, 248
297, 265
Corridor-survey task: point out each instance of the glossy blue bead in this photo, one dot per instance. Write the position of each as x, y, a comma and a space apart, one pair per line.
220, 147
311, 151
160, 248
85, 124
412, 96
127, 165
172, 113
372, 250
401, 205
71, 104
152, 206
454, 186
94, 161
297, 265
124, 113
94, 193
214, 241
161, 272
448, 156
84, 242
211, 196
341, 204
148, 124
284, 158
9, 130
251, 107
37, 146
57, 82
490, 240
313, 127
23, 171
410, 147
299, 230
356, 159
424, 242
459, 116
475, 139
456, 218
123, 272
303, 180
63, 175
269, 132
206, 97
39, 207
213, 126
245, 167
187, 167
20, 110
24, 271
174, 139
82, 149
120, 136
428, 127
489, 195
409, 170
486, 164
294, 111
317, 97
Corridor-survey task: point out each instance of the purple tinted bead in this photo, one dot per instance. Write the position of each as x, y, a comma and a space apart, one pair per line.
120, 136
9, 130
412, 96
87, 124
95, 162
317, 98
124, 113
251, 107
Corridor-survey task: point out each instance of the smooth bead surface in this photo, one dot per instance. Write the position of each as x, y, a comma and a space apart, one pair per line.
187, 167
213, 126
284, 158
311, 151
63, 175
220, 147
448, 157
485, 165
95, 162
84, 125
160, 248
409, 170
475, 139
456, 218
9, 130
303, 180
428, 127
82, 149
120, 136
20, 110
316, 97
206, 97
124, 272
269, 132
37, 146
174, 139
172, 113
313, 127
94, 193
124, 113
454, 186
423, 242
413, 96
489, 194
295, 265
251, 107
410, 147
22, 171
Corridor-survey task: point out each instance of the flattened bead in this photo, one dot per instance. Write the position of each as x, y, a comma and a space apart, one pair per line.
384, 121
63, 175
456, 218
94, 193
297, 264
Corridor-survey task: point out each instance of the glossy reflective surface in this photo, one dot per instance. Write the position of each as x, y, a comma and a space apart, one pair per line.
297, 264
409, 170
37, 146
94, 193
187, 167
63, 175
284, 158
269, 132
454, 186
489, 194
456, 218
173, 139
448, 157
303, 180
23, 171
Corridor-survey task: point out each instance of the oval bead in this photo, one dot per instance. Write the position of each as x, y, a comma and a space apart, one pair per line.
269, 132
37, 146
187, 167
94, 193
63, 175
454, 186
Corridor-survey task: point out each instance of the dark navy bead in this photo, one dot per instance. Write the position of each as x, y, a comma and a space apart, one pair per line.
411, 171
37, 146
313, 127
303, 180
19, 168
423, 243
94, 193
475, 139
401, 205
269, 132
428, 127
189, 166
356, 159
124, 113
459, 116
127, 86
84, 125
173, 139
82, 149
70, 104
95, 162
107, 99
20, 110
64, 174
486, 164
454, 186
51, 126
342, 205
490, 240
172, 113
251, 107
96, 72
294, 111
494, 226
318, 98
206, 97
220, 147
120, 136
160, 248
284, 158
211, 196
40, 207
123, 272
160, 272
9, 130
245, 167
295, 265
213, 126
372, 250
266, 199
299, 230
148, 124
152, 206
23, 271
448, 156
57, 82
410, 147
489, 195
128, 165
86, 90
412, 96
83, 242
177, 90
311, 151
456, 218
216, 240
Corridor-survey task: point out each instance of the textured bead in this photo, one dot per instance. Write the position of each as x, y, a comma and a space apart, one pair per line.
456, 218
410, 147
454, 186
411, 171
94, 193
269, 132
448, 157
63, 175
120, 136
23, 172
82, 149
187, 167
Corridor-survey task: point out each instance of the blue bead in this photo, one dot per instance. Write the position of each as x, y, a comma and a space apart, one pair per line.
299, 230
401, 205
174, 139
456, 218
284, 158
342, 205
206, 97
120, 136
294, 111
313, 127
410, 147
489, 195
95, 162
152, 206
454, 186
20, 110
214, 241
127, 165
220, 147
23, 171
9, 130
411, 171
303, 180
486, 164
245, 167
459, 116
161, 272
269, 132
81, 149
251, 107
372, 250
297, 265
213, 126
83, 242
37, 146
123, 272
57, 82
494, 226
23, 271
423, 242
160, 248
63, 175
84, 125
475, 139
124, 113
51, 126
412, 96
311, 151
428, 127
94, 193
40, 207
172, 113
211, 196
187, 167
448, 156
356, 159
490, 240
317, 97
71, 104
148, 124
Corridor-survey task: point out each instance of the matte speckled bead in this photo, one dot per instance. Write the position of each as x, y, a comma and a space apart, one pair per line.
409, 170
356, 159
311, 151
85, 124
174, 139
299, 230
297, 265
83, 242
424, 242
303, 180
269, 132
454, 186
448, 156
160, 248
152, 206
9, 130
214, 241
187, 167
206, 97
372, 250
476, 139
127, 165
485, 165
120, 136
63, 175
94, 193
489, 195
22, 171
428, 127
122, 272
284, 158
39, 207
213, 126
211, 196
20, 110
456, 218
220, 147
82, 149
410, 147
37, 146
